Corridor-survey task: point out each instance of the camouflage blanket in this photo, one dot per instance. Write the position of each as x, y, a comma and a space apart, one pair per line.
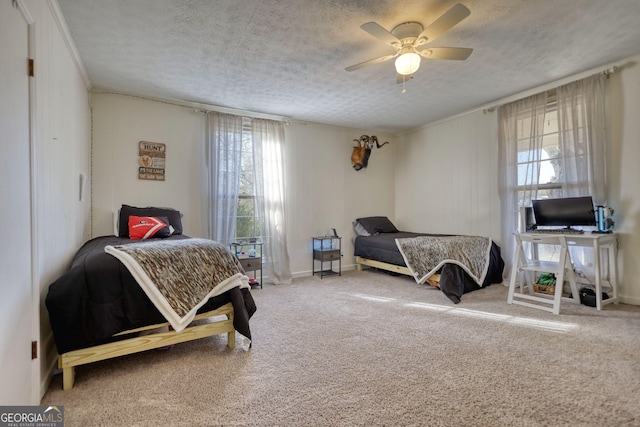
179, 276
425, 255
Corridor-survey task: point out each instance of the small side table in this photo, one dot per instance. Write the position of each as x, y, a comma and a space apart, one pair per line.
327, 249
248, 262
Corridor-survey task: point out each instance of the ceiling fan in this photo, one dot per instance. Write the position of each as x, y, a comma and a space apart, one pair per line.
409, 39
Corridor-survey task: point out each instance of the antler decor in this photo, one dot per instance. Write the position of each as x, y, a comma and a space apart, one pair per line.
362, 151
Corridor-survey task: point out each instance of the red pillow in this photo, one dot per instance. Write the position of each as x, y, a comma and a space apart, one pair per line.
145, 227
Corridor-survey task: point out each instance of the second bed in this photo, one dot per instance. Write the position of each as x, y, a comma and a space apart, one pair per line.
380, 249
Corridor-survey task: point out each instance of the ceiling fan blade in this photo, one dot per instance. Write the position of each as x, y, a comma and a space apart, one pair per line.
443, 24
381, 34
371, 62
455, 53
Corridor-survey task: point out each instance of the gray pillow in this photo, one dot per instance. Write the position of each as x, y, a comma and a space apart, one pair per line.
377, 224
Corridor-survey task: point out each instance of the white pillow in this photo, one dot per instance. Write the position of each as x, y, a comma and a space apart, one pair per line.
116, 218
359, 229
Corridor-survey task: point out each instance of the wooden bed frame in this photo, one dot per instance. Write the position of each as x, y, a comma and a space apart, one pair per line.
69, 360
382, 266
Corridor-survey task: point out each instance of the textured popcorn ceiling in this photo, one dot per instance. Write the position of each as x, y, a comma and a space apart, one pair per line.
287, 57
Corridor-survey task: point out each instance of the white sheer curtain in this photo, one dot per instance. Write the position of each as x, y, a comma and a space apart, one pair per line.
581, 136
268, 152
224, 135
581, 142
521, 126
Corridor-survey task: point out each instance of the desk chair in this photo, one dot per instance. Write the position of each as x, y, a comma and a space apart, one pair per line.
527, 265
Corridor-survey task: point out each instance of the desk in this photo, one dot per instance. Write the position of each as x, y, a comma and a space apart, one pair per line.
605, 254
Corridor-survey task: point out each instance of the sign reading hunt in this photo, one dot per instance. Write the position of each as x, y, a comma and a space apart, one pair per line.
151, 160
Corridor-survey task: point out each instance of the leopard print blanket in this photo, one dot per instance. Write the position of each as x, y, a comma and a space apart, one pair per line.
425, 255
179, 276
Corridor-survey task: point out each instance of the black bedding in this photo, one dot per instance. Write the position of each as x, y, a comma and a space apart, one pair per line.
98, 297
454, 281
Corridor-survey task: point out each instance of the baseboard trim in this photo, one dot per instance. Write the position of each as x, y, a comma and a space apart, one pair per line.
629, 300
50, 354
307, 273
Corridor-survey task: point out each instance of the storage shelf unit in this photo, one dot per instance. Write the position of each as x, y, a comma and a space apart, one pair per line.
327, 249
249, 262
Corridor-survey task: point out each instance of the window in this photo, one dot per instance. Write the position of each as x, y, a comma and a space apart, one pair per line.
541, 172
552, 145
246, 186
247, 220
540, 168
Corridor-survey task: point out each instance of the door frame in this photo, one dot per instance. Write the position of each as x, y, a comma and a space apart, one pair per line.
35, 385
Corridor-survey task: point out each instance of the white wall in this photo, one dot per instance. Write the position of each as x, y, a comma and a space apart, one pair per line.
61, 144
623, 172
447, 177
119, 124
323, 191
447, 180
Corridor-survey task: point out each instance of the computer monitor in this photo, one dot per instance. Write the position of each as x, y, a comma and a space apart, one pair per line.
566, 212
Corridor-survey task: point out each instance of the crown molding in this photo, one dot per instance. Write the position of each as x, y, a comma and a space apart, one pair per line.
66, 36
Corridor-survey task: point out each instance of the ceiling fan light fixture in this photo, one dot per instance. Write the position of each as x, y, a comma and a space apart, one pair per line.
407, 63
406, 37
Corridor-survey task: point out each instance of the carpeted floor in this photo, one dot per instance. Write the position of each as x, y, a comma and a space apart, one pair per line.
370, 349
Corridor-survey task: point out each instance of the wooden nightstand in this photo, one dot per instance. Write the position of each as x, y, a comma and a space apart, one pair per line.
249, 262
327, 249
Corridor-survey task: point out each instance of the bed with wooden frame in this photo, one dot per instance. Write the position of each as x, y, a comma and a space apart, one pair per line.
101, 308
376, 246
400, 269
142, 342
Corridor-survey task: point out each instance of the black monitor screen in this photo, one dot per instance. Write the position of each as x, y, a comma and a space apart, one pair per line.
566, 212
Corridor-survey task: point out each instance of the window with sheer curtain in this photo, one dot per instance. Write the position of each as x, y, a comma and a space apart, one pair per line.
551, 145
246, 186
247, 218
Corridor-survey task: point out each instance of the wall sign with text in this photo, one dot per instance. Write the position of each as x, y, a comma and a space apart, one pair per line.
151, 160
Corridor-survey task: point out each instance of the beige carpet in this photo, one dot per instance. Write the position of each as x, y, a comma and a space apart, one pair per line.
370, 349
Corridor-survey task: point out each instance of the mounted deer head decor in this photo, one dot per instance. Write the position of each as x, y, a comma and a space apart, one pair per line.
361, 152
